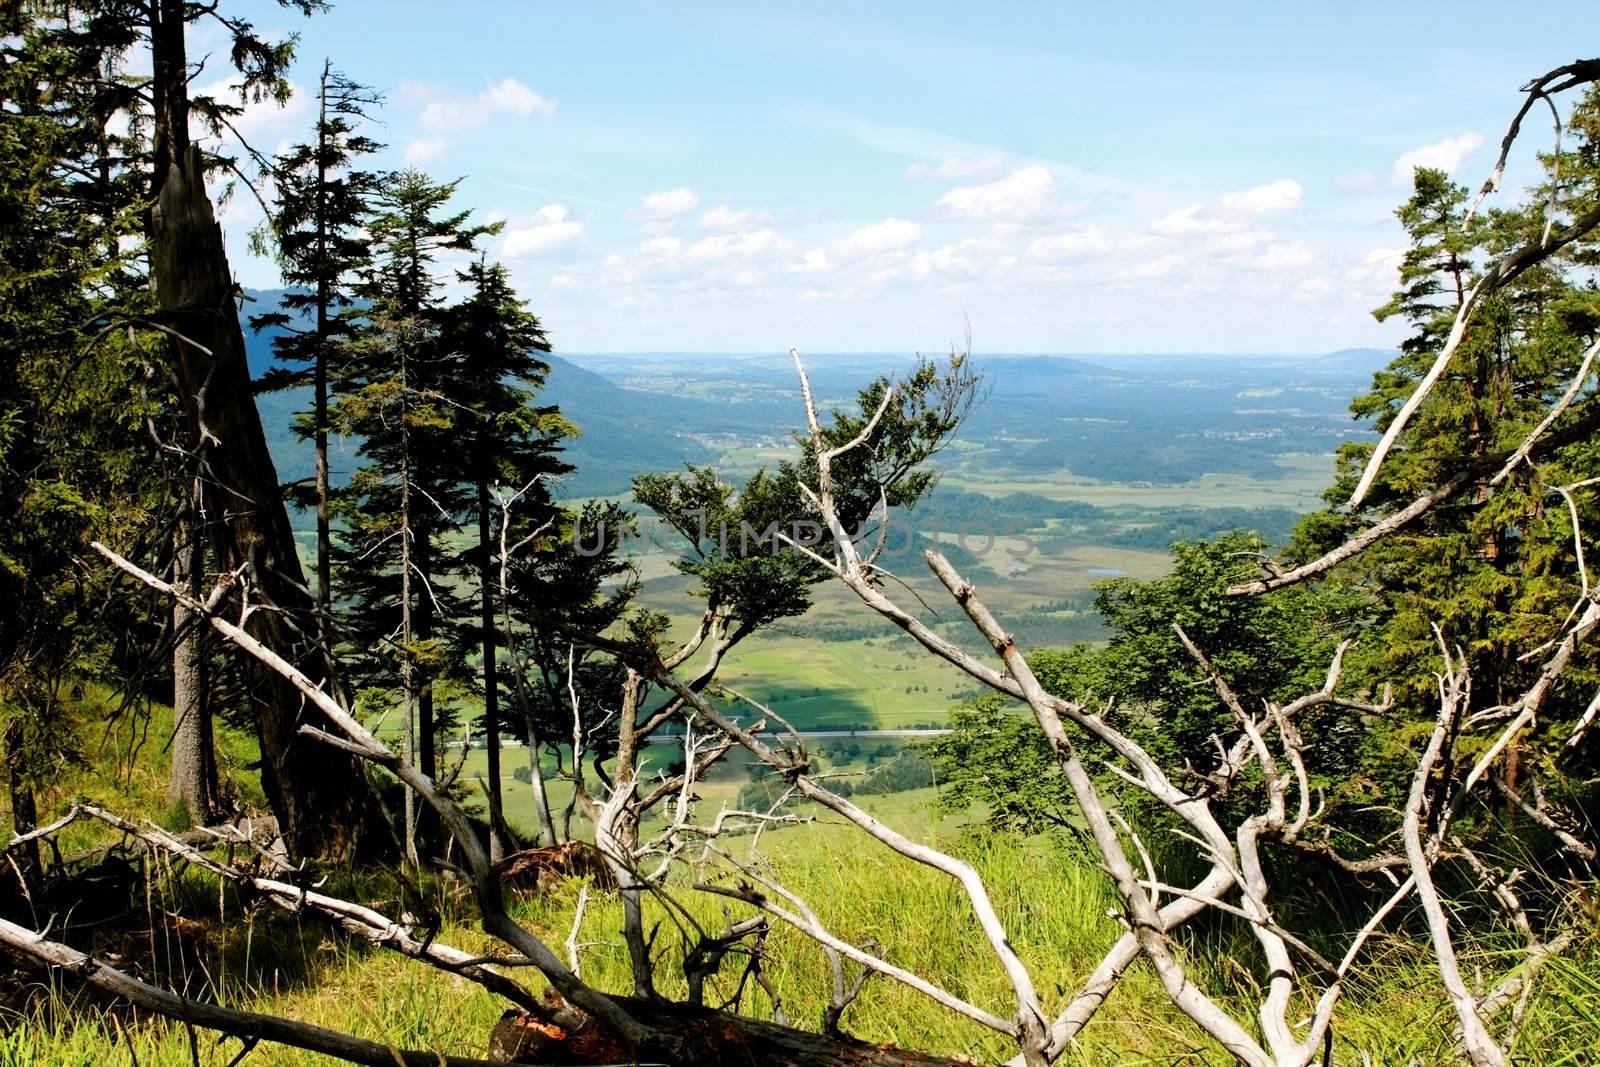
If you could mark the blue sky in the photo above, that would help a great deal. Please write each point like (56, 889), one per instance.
(745, 176)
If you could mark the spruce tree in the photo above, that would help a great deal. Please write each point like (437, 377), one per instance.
(1494, 569)
(398, 397)
(511, 445)
(73, 451)
(321, 205)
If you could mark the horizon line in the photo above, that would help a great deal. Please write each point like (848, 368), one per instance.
(1259, 354)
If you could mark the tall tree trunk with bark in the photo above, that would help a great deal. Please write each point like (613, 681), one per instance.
(319, 383)
(319, 794)
(491, 674)
(193, 778)
(427, 733)
(24, 811)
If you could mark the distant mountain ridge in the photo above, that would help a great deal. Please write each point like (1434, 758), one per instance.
(1160, 419)
(624, 431)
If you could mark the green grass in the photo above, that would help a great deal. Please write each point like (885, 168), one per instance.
(1301, 487)
(1052, 902)
(121, 762)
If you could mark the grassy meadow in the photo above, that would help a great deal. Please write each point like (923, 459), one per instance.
(1056, 905)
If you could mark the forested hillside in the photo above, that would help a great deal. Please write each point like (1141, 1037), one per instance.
(379, 685)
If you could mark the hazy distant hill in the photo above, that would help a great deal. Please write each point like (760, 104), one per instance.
(1366, 361)
(1156, 419)
(625, 431)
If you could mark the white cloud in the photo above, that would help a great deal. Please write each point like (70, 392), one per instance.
(951, 260)
(887, 236)
(958, 169)
(549, 231)
(738, 246)
(1270, 199)
(425, 150)
(1236, 241)
(1186, 222)
(1072, 244)
(670, 204)
(446, 115)
(445, 112)
(1230, 213)
(261, 120)
(1378, 272)
(1282, 256)
(1312, 288)
(661, 246)
(1445, 155)
(1018, 195)
(1155, 267)
(562, 281)
(814, 261)
(511, 96)
(723, 217)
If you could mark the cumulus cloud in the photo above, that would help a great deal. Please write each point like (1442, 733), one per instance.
(1282, 256)
(511, 96)
(445, 112)
(815, 260)
(1154, 267)
(1445, 155)
(670, 204)
(1071, 244)
(723, 246)
(723, 217)
(887, 236)
(1231, 213)
(1270, 199)
(1312, 288)
(661, 246)
(1379, 270)
(260, 120)
(548, 232)
(1018, 195)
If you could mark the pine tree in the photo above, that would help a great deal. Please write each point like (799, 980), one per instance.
(72, 447)
(397, 399)
(492, 341)
(1494, 569)
(322, 202)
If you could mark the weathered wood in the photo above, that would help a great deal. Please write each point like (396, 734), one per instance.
(698, 1036)
(541, 868)
(193, 779)
(249, 1026)
(320, 795)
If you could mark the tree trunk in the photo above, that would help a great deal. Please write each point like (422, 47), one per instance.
(427, 757)
(408, 664)
(627, 832)
(193, 779)
(319, 380)
(491, 669)
(541, 797)
(24, 811)
(691, 1036)
(319, 794)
